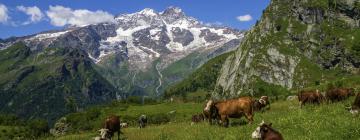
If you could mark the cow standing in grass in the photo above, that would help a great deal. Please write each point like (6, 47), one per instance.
(233, 108)
(338, 94)
(111, 125)
(310, 97)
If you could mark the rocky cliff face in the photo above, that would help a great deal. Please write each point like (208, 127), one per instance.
(295, 43)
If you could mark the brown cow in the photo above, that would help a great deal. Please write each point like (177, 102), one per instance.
(233, 108)
(310, 97)
(112, 124)
(261, 103)
(266, 132)
(338, 94)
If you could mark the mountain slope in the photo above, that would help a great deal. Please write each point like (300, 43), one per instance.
(295, 44)
(131, 47)
(49, 84)
(204, 78)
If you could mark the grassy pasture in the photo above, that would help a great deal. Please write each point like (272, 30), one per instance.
(312, 122)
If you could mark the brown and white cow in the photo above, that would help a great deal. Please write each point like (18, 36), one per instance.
(233, 108)
(261, 103)
(112, 125)
(266, 132)
(338, 94)
(313, 96)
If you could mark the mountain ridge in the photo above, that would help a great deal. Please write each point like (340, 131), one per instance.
(314, 42)
(139, 55)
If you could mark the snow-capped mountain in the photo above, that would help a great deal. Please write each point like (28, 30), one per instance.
(140, 39)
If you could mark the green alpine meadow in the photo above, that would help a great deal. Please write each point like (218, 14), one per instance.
(180, 70)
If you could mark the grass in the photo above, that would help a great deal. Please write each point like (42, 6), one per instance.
(11, 132)
(327, 121)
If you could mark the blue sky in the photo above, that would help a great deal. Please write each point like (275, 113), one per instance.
(24, 17)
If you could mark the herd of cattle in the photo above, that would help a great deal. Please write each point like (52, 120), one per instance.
(220, 111)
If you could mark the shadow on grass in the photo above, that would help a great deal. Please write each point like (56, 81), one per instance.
(237, 122)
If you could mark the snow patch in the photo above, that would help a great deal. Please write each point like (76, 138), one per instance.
(48, 35)
(148, 12)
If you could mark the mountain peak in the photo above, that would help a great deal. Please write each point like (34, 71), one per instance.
(148, 11)
(174, 11)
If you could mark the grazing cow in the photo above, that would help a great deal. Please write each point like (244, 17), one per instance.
(142, 121)
(197, 118)
(233, 108)
(261, 103)
(266, 132)
(310, 97)
(112, 124)
(338, 94)
(124, 125)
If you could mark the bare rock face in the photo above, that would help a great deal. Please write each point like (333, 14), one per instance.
(183, 36)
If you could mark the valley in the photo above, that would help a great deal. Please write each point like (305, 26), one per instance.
(64, 83)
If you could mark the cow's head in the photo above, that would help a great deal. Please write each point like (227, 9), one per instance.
(257, 134)
(104, 133)
(261, 130)
(208, 105)
(353, 110)
(264, 100)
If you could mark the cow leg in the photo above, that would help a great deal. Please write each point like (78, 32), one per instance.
(223, 120)
(249, 117)
(226, 123)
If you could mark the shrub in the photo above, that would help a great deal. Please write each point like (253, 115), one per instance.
(9, 119)
(38, 127)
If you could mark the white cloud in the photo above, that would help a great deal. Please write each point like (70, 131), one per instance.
(4, 17)
(61, 16)
(244, 18)
(34, 12)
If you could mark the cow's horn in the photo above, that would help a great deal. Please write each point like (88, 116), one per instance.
(262, 122)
